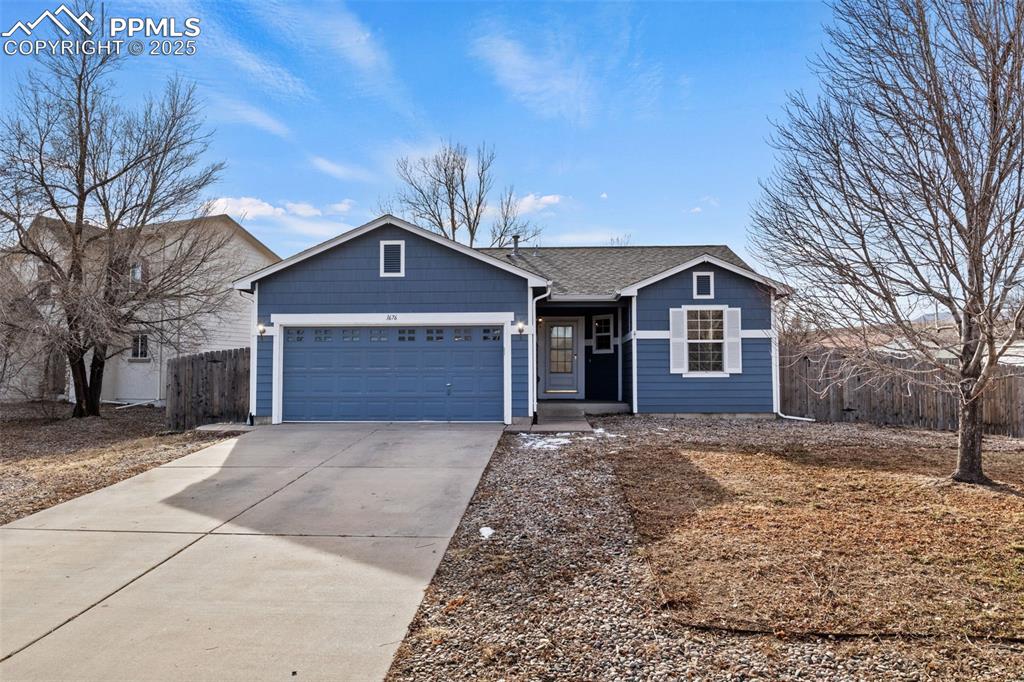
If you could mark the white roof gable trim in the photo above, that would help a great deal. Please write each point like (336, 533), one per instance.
(632, 289)
(245, 283)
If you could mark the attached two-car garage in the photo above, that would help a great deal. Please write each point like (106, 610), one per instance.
(393, 373)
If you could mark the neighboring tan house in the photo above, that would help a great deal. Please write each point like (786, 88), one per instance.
(391, 322)
(138, 374)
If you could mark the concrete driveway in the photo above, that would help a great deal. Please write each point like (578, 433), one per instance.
(290, 552)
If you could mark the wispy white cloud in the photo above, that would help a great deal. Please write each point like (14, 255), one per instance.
(696, 209)
(535, 203)
(343, 206)
(261, 71)
(242, 208)
(289, 217)
(341, 171)
(603, 195)
(551, 82)
(302, 209)
(334, 33)
(709, 200)
(242, 112)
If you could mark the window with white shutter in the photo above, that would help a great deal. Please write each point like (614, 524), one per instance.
(392, 258)
(705, 341)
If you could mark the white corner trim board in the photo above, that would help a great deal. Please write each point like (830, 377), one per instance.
(284, 320)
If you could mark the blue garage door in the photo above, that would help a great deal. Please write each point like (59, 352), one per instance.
(393, 374)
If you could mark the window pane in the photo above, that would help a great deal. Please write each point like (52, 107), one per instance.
(603, 342)
(705, 357)
(560, 349)
(705, 325)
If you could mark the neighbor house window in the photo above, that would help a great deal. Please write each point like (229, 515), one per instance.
(435, 334)
(462, 334)
(378, 335)
(140, 347)
(703, 285)
(603, 334)
(137, 273)
(349, 335)
(406, 334)
(491, 334)
(705, 340)
(392, 259)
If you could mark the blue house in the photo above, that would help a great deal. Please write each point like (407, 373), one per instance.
(391, 322)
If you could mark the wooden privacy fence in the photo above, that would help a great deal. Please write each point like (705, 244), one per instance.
(894, 401)
(208, 387)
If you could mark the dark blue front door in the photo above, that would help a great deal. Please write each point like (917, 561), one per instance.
(393, 374)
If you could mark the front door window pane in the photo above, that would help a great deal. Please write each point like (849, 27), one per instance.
(560, 350)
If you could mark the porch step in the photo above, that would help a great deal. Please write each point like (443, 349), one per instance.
(560, 410)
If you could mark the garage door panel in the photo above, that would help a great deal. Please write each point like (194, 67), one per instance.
(393, 374)
(378, 359)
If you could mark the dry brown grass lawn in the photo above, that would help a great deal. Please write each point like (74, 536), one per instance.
(46, 458)
(797, 528)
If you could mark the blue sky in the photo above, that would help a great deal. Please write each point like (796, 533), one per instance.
(609, 119)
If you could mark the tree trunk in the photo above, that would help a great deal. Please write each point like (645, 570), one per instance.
(79, 381)
(968, 462)
(96, 367)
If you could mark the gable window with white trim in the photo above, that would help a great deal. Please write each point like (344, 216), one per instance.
(703, 285)
(705, 341)
(603, 334)
(392, 258)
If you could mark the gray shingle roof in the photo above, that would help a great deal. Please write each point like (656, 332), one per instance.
(602, 270)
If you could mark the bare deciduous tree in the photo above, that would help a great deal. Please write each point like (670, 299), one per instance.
(448, 193)
(899, 191)
(509, 222)
(86, 190)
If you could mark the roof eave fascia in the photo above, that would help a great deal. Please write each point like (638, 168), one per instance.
(583, 298)
(245, 283)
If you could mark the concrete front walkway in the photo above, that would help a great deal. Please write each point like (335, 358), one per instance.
(297, 552)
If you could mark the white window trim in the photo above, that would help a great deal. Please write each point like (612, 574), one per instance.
(686, 373)
(505, 320)
(697, 274)
(392, 242)
(132, 357)
(610, 334)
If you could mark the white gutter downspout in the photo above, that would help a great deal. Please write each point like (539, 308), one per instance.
(532, 350)
(776, 386)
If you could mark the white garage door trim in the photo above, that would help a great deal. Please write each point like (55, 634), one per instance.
(284, 320)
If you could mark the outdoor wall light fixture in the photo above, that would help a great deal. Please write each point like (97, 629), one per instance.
(521, 326)
(261, 328)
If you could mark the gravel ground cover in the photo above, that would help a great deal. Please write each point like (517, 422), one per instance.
(47, 458)
(563, 589)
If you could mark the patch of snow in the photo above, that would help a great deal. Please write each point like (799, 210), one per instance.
(486, 532)
(534, 442)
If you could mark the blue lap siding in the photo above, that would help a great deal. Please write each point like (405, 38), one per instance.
(346, 279)
(660, 391)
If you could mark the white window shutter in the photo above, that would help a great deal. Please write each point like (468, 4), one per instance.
(733, 342)
(677, 340)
